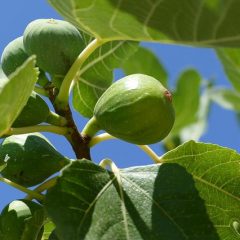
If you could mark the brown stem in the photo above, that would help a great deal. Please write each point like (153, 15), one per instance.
(78, 141)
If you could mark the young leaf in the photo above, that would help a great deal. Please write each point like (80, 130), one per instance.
(15, 91)
(96, 74)
(193, 195)
(146, 62)
(230, 59)
(186, 100)
(195, 130)
(226, 98)
(208, 23)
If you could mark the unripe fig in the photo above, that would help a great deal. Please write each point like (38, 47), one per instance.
(14, 55)
(22, 219)
(35, 111)
(29, 159)
(137, 109)
(56, 43)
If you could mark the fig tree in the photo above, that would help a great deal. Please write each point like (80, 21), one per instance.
(22, 219)
(56, 43)
(137, 109)
(35, 111)
(29, 159)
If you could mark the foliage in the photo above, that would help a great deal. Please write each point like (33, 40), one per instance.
(191, 192)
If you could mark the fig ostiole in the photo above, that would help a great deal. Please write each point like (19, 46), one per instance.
(56, 43)
(22, 219)
(137, 109)
(34, 112)
(29, 159)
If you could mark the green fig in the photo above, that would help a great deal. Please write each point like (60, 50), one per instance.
(14, 55)
(35, 111)
(29, 159)
(22, 219)
(137, 109)
(56, 43)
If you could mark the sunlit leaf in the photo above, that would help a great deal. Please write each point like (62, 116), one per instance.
(193, 195)
(194, 22)
(15, 91)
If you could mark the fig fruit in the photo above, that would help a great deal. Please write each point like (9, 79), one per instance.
(29, 159)
(137, 109)
(35, 111)
(14, 55)
(56, 44)
(22, 219)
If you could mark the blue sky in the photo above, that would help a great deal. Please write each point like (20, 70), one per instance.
(15, 15)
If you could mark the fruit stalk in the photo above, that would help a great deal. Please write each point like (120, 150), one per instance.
(31, 193)
(63, 96)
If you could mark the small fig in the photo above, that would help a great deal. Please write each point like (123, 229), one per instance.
(35, 111)
(22, 219)
(56, 43)
(137, 109)
(29, 159)
(14, 55)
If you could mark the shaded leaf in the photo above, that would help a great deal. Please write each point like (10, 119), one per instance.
(15, 91)
(230, 59)
(146, 62)
(193, 195)
(96, 74)
(195, 22)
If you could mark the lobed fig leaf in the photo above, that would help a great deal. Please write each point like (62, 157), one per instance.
(35, 111)
(22, 219)
(56, 43)
(137, 109)
(29, 159)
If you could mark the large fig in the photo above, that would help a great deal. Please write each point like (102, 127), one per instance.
(29, 159)
(56, 43)
(22, 219)
(35, 111)
(137, 109)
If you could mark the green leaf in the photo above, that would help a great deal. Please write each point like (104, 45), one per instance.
(230, 59)
(193, 195)
(195, 130)
(186, 100)
(226, 98)
(146, 62)
(96, 74)
(15, 91)
(195, 22)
